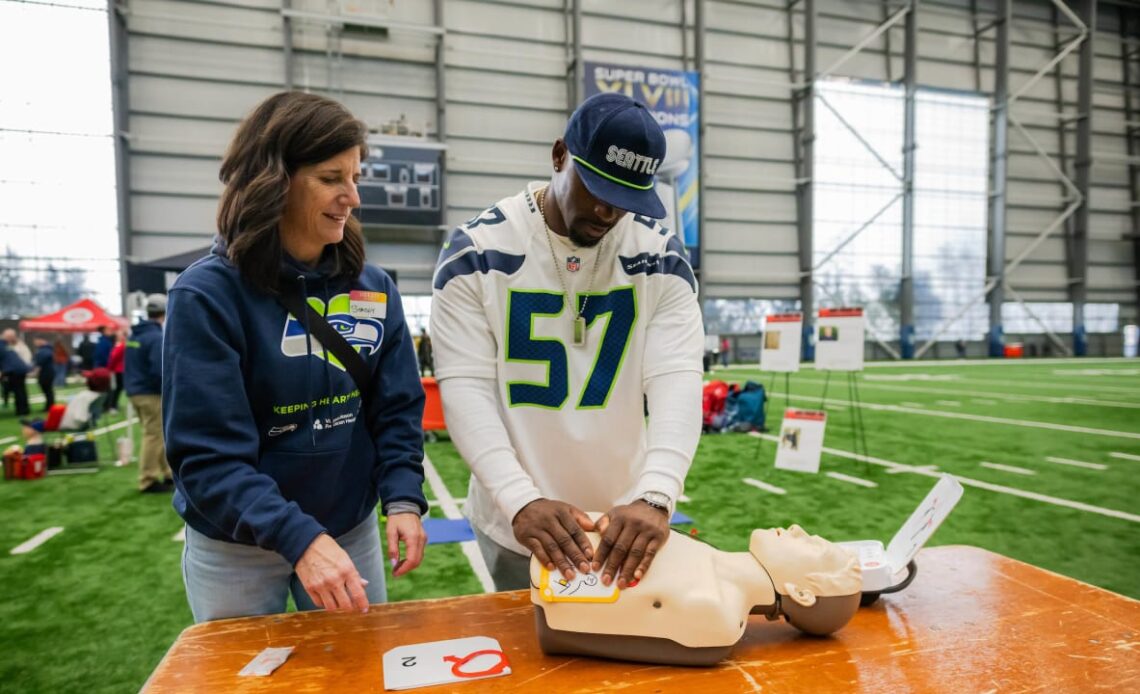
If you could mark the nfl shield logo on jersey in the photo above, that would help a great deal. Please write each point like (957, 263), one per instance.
(573, 263)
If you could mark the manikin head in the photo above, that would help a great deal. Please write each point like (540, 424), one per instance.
(819, 583)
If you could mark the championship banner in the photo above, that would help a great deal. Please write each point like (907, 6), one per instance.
(839, 339)
(780, 346)
(801, 440)
(672, 97)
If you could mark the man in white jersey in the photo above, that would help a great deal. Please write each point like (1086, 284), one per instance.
(545, 397)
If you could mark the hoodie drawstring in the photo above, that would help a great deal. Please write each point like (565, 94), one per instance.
(328, 371)
(308, 370)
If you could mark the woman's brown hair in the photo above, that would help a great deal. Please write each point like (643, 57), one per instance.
(286, 131)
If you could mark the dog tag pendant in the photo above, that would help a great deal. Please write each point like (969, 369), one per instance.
(579, 331)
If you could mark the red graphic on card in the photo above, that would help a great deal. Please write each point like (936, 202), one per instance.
(496, 669)
(805, 414)
(840, 312)
(784, 317)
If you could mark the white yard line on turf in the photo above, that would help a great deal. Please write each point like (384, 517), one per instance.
(459, 501)
(1125, 456)
(40, 538)
(970, 482)
(180, 536)
(1124, 361)
(927, 468)
(1076, 463)
(910, 404)
(1008, 468)
(764, 485)
(961, 392)
(980, 401)
(971, 417)
(853, 480)
(451, 510)
(114, 427)
(7, 440)
(1067, 386)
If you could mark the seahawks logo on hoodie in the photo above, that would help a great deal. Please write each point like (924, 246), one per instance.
(363, 334)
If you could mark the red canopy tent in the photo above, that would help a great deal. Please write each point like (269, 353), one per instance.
(83, 316)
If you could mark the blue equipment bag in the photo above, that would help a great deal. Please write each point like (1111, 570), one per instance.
(744, 410)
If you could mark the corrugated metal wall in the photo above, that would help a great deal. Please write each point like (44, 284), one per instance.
(197, 67)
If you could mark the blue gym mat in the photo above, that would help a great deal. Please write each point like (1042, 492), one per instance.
(441, 530)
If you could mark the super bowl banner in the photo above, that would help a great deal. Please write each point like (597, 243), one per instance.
(672, 97)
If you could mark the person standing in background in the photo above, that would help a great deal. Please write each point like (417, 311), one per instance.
(86, 352)
(102, 352)
(115, 364)
(423, 354)
(44, 361)
(62, 359)
(143, 379)
(14, 372)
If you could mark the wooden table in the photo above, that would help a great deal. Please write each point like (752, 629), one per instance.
(972, 621)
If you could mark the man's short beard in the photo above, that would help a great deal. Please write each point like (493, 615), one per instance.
(582, 241)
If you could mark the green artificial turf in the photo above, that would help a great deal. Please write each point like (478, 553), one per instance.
(95, 608)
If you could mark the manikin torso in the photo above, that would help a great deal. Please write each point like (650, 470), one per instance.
(693, 604)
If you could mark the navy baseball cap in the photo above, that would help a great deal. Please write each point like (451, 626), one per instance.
(617, 146)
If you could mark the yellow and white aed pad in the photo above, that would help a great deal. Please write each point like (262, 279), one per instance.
(582, 588)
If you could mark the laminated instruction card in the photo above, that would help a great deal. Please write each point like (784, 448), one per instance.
(780, 347)
(444, 662)
(839, 339)
(801, 440)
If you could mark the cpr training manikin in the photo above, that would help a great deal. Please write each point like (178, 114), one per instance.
(693, 604)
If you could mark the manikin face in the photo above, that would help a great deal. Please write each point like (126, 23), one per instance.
(320, 198)
(806, 562)
(587, 219)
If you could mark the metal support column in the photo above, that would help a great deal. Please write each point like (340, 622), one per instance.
(1063, 124)
(906, 286)
(579, 72)
(1127, 56)
(886, 12)
(805, 184)
(699, 56)
(120, 132)
(998, 164)
(287, 42)
(1079, 256)
(441, 102)
(977, 46)
(685, 62)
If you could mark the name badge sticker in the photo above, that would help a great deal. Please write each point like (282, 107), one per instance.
(362, 304)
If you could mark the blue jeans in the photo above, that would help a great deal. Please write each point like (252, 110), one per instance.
(227, 579)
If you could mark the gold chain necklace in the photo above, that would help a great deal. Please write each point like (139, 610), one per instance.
(579, 320)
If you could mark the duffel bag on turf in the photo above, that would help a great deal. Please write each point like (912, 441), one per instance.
(54, 455)
(81, 451)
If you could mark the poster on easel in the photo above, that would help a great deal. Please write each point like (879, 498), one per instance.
(780, 346)
(839, 335)
(800, 443)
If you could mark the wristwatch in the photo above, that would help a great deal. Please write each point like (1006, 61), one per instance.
(657, 500)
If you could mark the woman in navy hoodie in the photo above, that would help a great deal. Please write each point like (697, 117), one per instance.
(278, 460)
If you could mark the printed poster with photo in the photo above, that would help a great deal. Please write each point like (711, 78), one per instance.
(800, 444)
(780, 345)
(839, 335)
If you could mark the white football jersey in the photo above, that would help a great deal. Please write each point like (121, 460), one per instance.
(574, 412)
